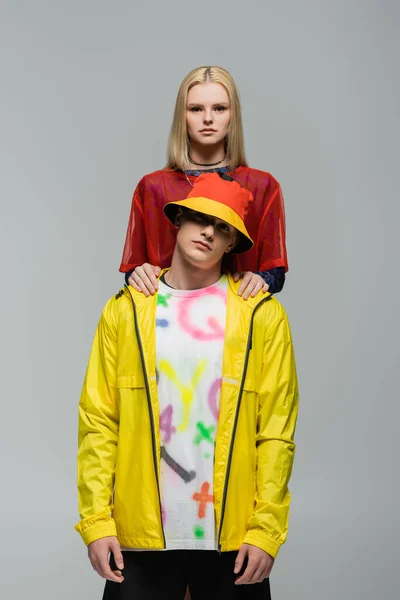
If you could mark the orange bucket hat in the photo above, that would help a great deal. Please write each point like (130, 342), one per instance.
(218, 197)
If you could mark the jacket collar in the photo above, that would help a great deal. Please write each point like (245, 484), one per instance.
(251, 303)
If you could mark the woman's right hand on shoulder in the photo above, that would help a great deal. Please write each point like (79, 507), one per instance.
(144, 279)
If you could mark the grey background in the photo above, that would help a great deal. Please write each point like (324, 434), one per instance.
(87, 94)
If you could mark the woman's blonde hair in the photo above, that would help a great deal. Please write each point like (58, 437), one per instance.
(178, 142)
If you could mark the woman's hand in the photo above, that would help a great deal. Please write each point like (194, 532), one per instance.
(144, 279)
(251, 284)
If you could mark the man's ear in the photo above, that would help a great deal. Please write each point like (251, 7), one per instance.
(178, 218)
(232, 244)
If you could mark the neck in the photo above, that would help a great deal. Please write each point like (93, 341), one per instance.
(207, 155)
(183, 275)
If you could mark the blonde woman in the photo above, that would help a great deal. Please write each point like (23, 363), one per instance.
(206, 136)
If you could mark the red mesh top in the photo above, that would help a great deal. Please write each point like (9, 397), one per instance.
(151, 237)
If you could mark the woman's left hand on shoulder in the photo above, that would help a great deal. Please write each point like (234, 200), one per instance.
(252, 283)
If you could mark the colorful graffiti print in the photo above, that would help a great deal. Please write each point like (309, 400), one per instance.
(187, 476)
(187, 305)
(166, 425)
(203, 498)
(187, 391)
(203, 433)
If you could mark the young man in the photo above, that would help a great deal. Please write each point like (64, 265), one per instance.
(187, 419)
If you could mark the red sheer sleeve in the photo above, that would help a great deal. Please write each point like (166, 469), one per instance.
(272, 233)
(265, 223)
(135, 248)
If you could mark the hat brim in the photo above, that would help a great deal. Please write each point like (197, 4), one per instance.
(213, 209)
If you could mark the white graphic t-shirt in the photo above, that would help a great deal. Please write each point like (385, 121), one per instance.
(190, 340)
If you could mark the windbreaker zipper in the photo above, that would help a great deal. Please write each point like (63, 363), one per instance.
(146, 383)
(228, 468)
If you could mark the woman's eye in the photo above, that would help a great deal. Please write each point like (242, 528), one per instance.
(220, 108)
(195, 109)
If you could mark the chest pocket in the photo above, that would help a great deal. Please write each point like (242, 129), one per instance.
(251, 385)
(136, 382)
(252, 382)
(130, 381)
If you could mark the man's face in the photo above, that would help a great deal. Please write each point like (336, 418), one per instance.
(203, 240)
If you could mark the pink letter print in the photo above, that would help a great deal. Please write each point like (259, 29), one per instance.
(213, 395)
(216, 332)
(166, 423)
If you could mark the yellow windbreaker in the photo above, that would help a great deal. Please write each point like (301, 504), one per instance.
(119, 426)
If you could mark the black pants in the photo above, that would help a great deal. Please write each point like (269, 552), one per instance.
(164, 575)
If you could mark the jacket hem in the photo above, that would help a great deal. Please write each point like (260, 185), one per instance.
(140, 543)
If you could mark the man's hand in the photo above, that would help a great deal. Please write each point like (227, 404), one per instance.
(144, 279)
(98, 554)
(251, 284)
(259, 564)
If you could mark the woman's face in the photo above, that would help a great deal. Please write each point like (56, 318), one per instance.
(208, 113)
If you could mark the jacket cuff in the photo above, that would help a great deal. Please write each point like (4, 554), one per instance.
(94, 529)
(262, 540)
